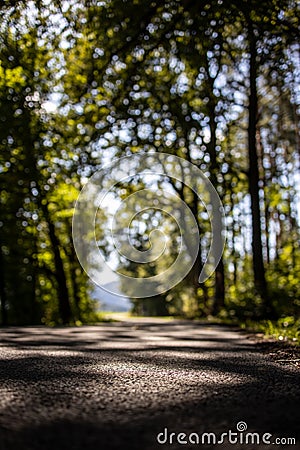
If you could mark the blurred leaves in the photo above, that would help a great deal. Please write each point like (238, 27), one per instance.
(83, 82)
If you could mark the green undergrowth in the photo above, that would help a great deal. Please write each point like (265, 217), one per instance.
(286, 329)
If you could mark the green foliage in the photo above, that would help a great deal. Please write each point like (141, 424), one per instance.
(84, 82)
(284, 329)
(41, 280)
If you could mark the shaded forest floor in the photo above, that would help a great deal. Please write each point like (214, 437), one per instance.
(118, 385)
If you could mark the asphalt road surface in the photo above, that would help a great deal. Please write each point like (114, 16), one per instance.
(129, 385)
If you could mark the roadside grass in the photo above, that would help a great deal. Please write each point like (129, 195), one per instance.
(286, 329)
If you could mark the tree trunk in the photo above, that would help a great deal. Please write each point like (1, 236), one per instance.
(63, 294)
(219, 288)
(257, 249)
(219, 294)
(2, 291)
(73, 276)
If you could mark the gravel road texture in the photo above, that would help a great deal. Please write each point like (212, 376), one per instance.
(119, 385)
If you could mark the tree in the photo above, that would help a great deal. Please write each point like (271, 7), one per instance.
(36, 284)
(167, 77)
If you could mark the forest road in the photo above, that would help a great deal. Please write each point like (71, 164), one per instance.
(129, 385)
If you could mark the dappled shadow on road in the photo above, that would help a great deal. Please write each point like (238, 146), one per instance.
(223, 360)
(117, 386)
(115, 335)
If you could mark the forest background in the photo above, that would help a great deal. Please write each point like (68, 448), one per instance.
(213, 82)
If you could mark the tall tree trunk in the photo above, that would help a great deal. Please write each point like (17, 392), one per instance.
(62, 288)
(2, 291)
(263, 178)
(219, 295)
(234, 254)
(34, 315)
(257, 249)
(219, 288)
(73, 263)
(267, 231)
